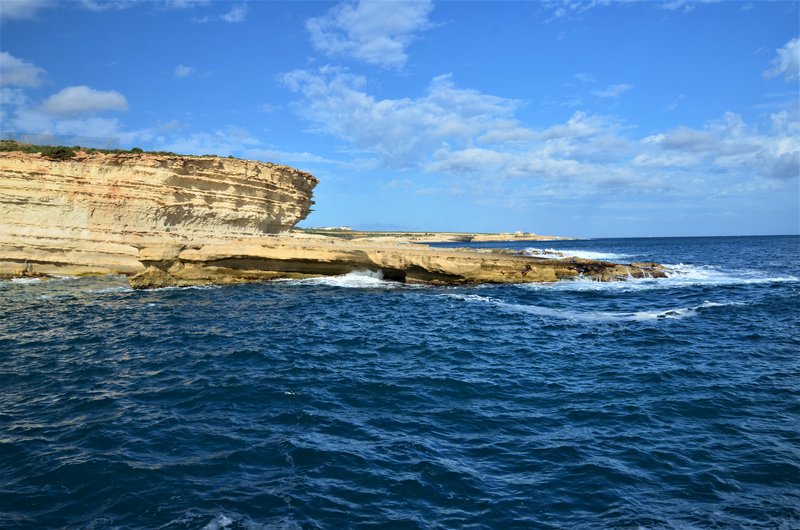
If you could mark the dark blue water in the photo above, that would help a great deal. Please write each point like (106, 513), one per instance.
(356, 403)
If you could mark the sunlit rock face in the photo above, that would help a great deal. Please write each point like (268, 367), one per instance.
(177, 220)
(93, 213)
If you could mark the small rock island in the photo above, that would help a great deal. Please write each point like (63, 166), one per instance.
(171, 220)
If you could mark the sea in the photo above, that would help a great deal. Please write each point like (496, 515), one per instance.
(354, 402)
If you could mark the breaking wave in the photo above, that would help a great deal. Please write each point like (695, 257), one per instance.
(354, 280)
(551, 253)
(678, 276)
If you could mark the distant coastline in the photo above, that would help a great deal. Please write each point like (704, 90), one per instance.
(401, 236)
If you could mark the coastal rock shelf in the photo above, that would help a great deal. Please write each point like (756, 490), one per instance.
(286, 257)
(169, 220)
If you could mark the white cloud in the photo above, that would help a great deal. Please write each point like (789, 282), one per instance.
(20, 9)
(184, 71)
(76, 100)
(563, 9)
(786, 62)
(396, 129)
(377, 33)
(476, 140)
(184, 4)
(109, 5)
(238, 13)
(13, 97)
(16, 72)
(613, 91)
(730, 146)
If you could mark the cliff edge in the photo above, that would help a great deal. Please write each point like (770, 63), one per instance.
(91, 213)
(168, 220)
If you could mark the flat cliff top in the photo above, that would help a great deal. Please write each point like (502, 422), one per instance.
(422, 237)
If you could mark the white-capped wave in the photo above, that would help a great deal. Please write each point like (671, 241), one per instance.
(355, 280)
(710, 275)
(678, 276)
(592, 316)
(551, 253)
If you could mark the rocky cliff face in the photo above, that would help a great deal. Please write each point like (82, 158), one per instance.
(172, 220)
(92, 213)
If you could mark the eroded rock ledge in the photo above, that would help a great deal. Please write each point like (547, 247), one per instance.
(286, 257)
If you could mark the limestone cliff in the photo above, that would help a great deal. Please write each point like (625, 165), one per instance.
(174, 220)
(92, 213)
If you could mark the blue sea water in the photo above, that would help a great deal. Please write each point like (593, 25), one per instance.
(352, 402)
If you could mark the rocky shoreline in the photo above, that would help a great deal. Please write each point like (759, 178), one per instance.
(169, 220)
(289, 257)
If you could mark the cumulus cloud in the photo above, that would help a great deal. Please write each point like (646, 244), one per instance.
(613, 91)
(76, 100)
(16, 72)
(377, 33)
(729, 145)
(451, 131)
(786, 62)
(337, 103)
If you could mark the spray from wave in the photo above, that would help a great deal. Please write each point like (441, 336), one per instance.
(354, 280)
(551, 253)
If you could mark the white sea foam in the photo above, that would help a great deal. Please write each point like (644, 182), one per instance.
(552, 253)
(25, 280)
(354, 280)
(592, 316)
(678, 276)
(710, 275)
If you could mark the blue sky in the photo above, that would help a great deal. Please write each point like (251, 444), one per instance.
(591, 119)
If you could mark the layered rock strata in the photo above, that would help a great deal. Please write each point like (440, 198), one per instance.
(173, 221)
(92, 213)
(286, 257)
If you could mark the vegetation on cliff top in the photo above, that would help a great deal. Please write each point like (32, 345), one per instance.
(61, 152)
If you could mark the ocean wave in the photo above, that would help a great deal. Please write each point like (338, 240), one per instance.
(354, 280)
(551, 253)
(678, 276)
(710, 275)
(593, 316)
